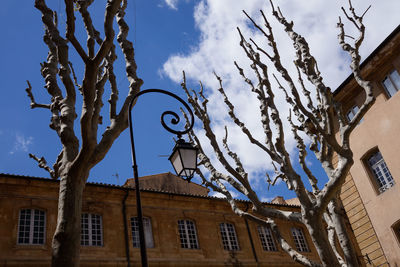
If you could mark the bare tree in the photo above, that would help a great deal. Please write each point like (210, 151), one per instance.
(81, 151)
(315, 117)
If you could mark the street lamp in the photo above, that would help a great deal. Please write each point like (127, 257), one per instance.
(183, 158)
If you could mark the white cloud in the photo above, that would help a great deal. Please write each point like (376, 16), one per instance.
(22, 143)
(218, 47)
(220, 195)
(267, 199)
(217, 194)
(172, 4)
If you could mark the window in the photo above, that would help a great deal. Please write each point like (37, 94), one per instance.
(148, 233)
(396, 229)
(228, 234)
(31, 227)
(299, 240)
(352, 112)
(187, 234)
(91, 230)
(380, 171)
(392, 83)
(266, 238)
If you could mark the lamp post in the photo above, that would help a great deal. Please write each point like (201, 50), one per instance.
(183, 158)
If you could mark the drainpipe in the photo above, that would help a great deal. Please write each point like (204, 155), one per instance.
(250, 237)
(126, 227)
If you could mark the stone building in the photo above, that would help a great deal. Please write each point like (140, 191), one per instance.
(183, 226)
(371, 194)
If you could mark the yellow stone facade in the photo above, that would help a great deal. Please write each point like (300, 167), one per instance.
(164, 210)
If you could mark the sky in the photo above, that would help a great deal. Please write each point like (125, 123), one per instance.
(198, 36)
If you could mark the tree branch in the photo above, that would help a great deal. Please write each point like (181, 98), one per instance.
(33, 102)
(42, 163)
(113, 84)
(119, 122)
(74, 77)
(355, 67)
(87, 20)
(345, 156)
(111, 10)
(63, 123)
(307, 64)
(269, 110)
(70, 34)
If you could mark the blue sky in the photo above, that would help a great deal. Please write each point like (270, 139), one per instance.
(169, 36)
(26, 131)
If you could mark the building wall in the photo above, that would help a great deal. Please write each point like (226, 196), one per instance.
(163, 209)
(361, 225)
(380, 129)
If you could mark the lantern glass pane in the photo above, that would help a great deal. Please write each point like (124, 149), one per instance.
(188, 172)
(188, 158)
(176, 162)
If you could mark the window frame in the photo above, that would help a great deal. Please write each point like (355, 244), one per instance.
(396, 230)
(32, 228)
(228, 243)
(389, 77)
(265, 233)
(91, 240)
(299, 239)
(376, 181)
(353, 111)
(187, 239)
(149, 228)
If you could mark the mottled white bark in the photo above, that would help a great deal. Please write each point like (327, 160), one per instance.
(79, 155)
(314, 117)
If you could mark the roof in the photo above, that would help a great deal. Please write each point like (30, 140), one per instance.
(168, 182)
(291, 202)
(369, 58)
(124, 188)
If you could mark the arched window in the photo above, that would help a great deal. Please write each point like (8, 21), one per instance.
(267, 241)
(91, 230)
(379, 171)
(188, 234)
(31, 227)
(299, 240)
(229, 238)
(148, 233)
(396, 230)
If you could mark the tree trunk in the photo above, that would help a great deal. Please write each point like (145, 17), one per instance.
(320, 240)
(349, 251)
(66, 239)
